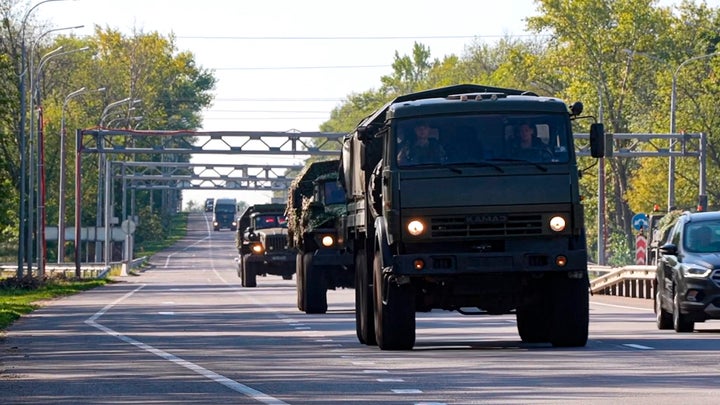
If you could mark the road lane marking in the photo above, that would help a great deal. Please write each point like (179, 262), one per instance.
(622, 306)
(641, 347)
(227, 382)
(390, 380)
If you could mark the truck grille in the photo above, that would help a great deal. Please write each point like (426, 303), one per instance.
(276, 243)
(497, 225)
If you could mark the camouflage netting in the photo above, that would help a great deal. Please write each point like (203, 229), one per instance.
(300, 197)
(668, 221)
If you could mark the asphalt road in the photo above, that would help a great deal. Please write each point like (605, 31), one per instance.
(184, 331)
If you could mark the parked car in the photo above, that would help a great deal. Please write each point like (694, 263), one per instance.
(688, 273)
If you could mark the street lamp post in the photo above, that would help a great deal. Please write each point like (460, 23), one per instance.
(41, 217)
(23, 216)
(673, 107)
(63, 175)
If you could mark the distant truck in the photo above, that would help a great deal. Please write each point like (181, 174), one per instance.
(316, 201)
(262, 243)
(479, 225)
(225, 214)
(209, 204)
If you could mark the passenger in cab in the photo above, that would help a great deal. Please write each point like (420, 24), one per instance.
(420, 148)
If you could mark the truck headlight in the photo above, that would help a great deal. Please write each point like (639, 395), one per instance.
(696, 272)
(416, 227)
(557, 223)
(328, 240)
(257, 248)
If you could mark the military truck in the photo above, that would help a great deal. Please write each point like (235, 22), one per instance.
(315, 203)
(484, 229)
(224, 214)
(262, 243)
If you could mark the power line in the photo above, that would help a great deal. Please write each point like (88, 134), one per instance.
(301, 67)
(349, 38)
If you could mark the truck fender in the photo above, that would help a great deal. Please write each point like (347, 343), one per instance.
(381, 242)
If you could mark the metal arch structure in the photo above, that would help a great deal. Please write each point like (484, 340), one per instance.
(656, 145)
(188, 176)
(109, 141)
(104, 141)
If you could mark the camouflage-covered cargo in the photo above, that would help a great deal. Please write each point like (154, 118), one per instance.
(263, 245)
(315, 204)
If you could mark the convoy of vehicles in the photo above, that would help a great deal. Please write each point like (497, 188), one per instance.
(688, 272)
(225, 214)
(262, 243)
(485, 229)
(316, 201)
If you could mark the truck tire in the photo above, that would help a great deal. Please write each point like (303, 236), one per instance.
(315, 287)
(394, 311)
(532, 322)
(299, 282)
(680, 321)
(570, 311)
(248, 274)
(364, 313)
(663, 318)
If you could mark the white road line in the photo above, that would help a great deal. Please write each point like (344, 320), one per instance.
(232, 384)
(390, 380)
(641, 347)
(621, 306)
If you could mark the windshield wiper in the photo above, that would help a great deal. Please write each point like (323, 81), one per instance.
(538, 165)
(453, 166)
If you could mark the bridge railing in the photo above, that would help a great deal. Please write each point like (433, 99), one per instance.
(635, 281)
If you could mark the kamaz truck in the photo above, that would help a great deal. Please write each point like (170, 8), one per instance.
(262, 243)
(487, 223)
(224, 214)
(316, 201)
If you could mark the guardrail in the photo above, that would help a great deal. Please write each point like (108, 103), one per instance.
(87, 270)
(630, 281)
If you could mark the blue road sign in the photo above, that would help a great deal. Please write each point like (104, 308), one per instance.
(640, 221)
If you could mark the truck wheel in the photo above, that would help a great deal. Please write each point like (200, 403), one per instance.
(680, 321)
(394, 311)
(532, 322)
(364, 314)
(248, 275)
(570, 312)
(299, 282)
(663, 318)
(315, 287)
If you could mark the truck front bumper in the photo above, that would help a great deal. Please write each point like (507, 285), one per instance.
(450, 264)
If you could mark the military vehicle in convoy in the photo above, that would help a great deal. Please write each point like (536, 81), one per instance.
(450, 207)
(225, 214)
(315, 203)
(262, 243)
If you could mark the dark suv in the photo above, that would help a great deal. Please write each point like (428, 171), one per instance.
(688, 273)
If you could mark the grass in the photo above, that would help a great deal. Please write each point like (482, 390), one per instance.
(22, 296)
(177, 231)
(18, 297)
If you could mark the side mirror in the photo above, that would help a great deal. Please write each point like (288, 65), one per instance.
(668, 249)
(597, 140)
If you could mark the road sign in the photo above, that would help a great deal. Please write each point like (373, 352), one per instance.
(640, 249)
(640, 221)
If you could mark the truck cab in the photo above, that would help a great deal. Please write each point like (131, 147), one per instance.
(262, 242)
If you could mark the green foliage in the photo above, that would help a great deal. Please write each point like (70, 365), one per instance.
(619, 250)
(22, 296)
(151, 236)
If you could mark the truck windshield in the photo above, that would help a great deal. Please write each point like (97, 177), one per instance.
(270, 221)
(505, 138)
(225, 209)
(334, 193)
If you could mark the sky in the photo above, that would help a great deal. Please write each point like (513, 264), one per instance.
(314, 52)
